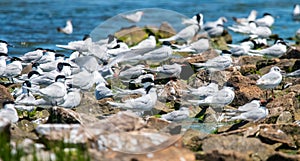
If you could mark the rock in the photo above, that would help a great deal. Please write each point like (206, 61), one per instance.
(286, 102)
(266, 63)
(273, 134)
(120, 122)
(243, 146)
(68, 133)
(133, 141)
(173, 151)
(228, 155)
(248, 69)
(166, 30)
(220, 42)
(249, 60)
(209, 54)
(131, 35)
(292, 53)
(5, 95)
(156, 123)
(245, 89)
(192, 139)
(26, 125)
(63, 115)
(284, 117)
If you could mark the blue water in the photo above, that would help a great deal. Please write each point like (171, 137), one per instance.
(28, 24)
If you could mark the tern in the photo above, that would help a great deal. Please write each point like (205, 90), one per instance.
(68, 29)
(3, 47)
(276, 50)
(55, 92)
(217, 63)
(8, 112)
(150, 42)
(188, 33)
(140, 104)
(178, 115)
(267, 20)
(270, 80)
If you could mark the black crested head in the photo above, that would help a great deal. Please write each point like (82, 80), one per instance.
(8, 102)
(38, 49)
(267, 14)
(86, 36)
(35, 64)
(59, 55)
(31, 73)
(15, 59)
(148, 79)
(60, 77)
(198, 17)
(148, 88)
(27, 83)
(166, 43)
(116, 47)
(50, 50)
(2, 41)
(118, 40)
(3, 54)
(226, 52)
(151, 34)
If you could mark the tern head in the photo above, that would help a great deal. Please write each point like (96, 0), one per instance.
(166, 43)
(267, 14)
(60, 78)
(32, 73)
(15, 59)
(3, 55)
(199, 18)
(275, 69)
(8, 104)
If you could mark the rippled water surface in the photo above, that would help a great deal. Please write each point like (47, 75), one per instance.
(29, 24)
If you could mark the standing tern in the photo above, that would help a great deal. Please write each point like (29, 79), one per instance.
(101, 91)
(150, 42)
(276, 50)
(8, 112)
(14, 68)
(140, 104)
(72, 99)
(178, 115)
(267, 20)
(198, 46)
(188, 33)
(252, 111)
(3, 47)
(218, 100)
(168, 71)
(55, 92)
(271, 79)
(68, 29)
(217, 63)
